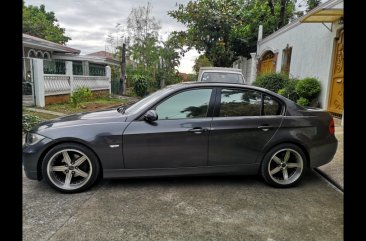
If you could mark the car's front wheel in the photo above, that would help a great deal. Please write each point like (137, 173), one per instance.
(283, 165)
(70, 168)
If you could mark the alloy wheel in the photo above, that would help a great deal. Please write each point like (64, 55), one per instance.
(69, 169)
(285, 166)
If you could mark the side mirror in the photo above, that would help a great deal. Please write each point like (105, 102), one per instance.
(151, 116)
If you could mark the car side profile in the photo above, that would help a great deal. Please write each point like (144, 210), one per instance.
(184, 129)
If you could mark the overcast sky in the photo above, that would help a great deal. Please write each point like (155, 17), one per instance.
(88, 22)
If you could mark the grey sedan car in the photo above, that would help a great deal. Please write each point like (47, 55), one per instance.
(184, 129)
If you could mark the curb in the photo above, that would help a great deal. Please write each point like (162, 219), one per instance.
(329, 179)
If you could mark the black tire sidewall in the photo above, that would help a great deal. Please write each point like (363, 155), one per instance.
(267, 158)
(92, 157)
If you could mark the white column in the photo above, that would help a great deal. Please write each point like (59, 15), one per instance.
(70, 74)
(260, 33)
(85, 68)
(253, 68)
(342, 118)
(38, 82)
(108, 73)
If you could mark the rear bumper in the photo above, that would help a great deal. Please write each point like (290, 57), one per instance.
(323, 154)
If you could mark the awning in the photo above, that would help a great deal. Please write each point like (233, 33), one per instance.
(323, 16)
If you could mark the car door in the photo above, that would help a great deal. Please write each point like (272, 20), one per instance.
(243, 122)
(179, 138)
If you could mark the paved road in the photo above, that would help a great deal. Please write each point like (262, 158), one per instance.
(189, 208)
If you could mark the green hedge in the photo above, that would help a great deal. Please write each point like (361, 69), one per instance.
(308, 88)
(272, 81)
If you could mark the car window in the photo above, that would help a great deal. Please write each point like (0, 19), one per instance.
(222, 77)
(187, 104)
(236, 102)
(271, 106)
(146, 101)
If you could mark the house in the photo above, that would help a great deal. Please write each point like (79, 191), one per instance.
(184, 76)
(52, 71)
(311, 46)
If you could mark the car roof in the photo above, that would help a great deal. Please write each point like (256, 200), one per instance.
(216, 84)
(189, 84)
(220, 69)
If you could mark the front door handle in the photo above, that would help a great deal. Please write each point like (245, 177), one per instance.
(198, 130)
(265, 127)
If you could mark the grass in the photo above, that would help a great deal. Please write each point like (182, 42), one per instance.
(43, 116)
(95, 104)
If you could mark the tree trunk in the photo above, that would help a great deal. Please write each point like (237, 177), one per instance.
(281, 23)
(123, 69)
(271, 7)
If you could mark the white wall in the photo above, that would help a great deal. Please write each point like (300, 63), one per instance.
(312, 52)
(245, 65)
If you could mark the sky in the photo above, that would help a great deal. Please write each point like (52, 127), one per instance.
(88, 22)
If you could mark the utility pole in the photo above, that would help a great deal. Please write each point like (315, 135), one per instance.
(123, 70)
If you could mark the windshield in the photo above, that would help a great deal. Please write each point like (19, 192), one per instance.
(222, 77)
(145, 101)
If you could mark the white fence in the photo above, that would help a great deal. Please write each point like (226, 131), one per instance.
(92, 82)
(57, 84)
(63, 84)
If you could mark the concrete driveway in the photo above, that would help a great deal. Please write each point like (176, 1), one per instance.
(189, 208)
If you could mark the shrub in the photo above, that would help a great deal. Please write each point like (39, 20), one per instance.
(140, 84)
(303, 101)
(28, 121)
(79, 95)
(308, 88)
(289, 91)
(272, 81)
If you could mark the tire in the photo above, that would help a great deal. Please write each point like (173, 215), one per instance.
(70, 168)
(283, 166)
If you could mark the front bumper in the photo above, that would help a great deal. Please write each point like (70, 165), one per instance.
(31, 158)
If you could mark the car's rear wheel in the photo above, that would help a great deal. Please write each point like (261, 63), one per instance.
(283, 165)
(70, 168)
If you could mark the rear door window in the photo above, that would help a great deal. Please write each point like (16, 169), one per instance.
(240, 102)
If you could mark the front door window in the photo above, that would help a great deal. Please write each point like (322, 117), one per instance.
(187, 104)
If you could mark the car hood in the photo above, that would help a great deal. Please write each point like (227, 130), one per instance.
(87, 118)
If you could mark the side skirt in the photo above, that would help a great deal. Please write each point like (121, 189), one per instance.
(248, 169)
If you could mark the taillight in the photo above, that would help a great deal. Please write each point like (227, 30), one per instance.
(331, 127)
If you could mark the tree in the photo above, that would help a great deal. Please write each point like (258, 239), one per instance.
(154, 59)
(201, 61)
(37, 22)
(169, 59)
(312, 4)
(141, 25)
(226, 29)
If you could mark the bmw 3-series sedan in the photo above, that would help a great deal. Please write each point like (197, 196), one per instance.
(183, 129)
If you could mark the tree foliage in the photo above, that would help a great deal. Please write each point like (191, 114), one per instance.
(201, 61)
(226, 29)
(312, 4)
(37, 22)
(152, 58)
(141, 25)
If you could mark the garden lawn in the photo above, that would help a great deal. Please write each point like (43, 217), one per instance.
(43, 116)
(95, 104)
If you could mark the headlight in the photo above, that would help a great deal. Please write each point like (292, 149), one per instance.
(33, 138)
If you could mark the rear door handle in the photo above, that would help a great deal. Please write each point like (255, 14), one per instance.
(265, 127)
(198, 130)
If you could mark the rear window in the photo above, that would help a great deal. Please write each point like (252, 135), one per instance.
(222, 77)
(271, 106)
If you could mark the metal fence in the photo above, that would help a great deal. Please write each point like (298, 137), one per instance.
(27, 83)
(116, 86)
(55, 66)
